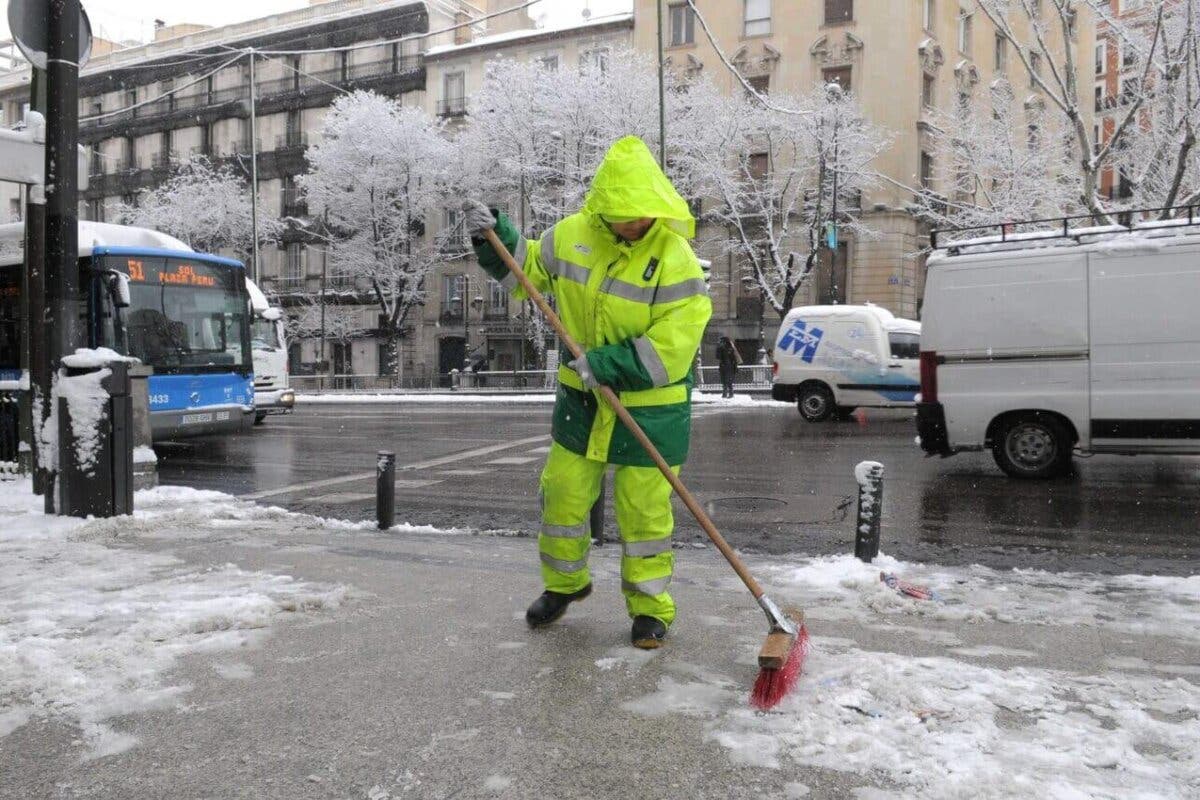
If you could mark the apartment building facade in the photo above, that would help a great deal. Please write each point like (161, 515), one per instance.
(902, 60)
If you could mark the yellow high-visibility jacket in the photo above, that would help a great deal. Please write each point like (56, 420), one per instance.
(639, 309)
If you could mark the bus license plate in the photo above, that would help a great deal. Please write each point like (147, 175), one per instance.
(195, 419)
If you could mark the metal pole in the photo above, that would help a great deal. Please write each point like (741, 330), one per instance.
(253, 169)
(323, 271)
(833, 216)
(33, 296)
(385, 490)
(466, 287)
(62, 214)
(662, 93)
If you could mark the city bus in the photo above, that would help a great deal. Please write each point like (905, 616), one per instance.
(148, 295)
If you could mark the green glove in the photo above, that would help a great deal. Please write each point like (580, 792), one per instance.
(489, 259)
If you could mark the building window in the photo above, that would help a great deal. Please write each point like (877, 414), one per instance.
(1099, 97)
(454, 94)
(1129, 89)
(1035, 68)
(926, 170)
(548, 63)
(838, 75)
(838, 11)
(756, 18)
(759, 166)
(1129, 56)
(1001, 61)
(497, 298)
(928, 91)
(14, 210)
(292, 278)
(683, 25)
(965, 25)
(453, 295)
(594, 59)
(927, 14)
(1101, 57)
(1096, 143)
(761, 84)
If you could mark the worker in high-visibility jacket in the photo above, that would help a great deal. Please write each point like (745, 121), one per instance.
(630, 290)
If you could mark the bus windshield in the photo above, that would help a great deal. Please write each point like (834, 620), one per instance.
(185, 315)
(264, 335)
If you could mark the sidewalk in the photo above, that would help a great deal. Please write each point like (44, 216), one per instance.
(210, 647)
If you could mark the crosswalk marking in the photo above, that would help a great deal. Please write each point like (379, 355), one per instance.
(514, 460)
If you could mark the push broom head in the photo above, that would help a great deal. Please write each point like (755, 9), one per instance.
(781, 660)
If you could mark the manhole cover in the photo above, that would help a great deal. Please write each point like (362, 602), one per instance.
(747, 505)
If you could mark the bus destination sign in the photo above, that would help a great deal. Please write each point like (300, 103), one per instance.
(173, 273)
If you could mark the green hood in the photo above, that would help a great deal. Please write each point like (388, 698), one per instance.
(629, 183)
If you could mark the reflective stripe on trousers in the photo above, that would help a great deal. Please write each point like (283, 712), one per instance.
(570, 485)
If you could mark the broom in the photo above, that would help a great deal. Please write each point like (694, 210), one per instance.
(782, 654)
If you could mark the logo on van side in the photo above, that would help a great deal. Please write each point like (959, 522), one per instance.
(800, 340)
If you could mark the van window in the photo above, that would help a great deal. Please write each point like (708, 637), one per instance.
(905, 345)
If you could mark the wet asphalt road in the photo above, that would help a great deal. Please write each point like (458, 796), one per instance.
(772, 482)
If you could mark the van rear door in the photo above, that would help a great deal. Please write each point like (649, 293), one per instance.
(1145, 353)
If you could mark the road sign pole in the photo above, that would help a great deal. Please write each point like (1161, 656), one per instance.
(62, 214)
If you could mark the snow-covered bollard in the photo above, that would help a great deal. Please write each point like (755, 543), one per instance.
(385, 489)
(869, 475)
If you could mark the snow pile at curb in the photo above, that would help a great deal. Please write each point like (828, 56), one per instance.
(989, 721)
(1142, 605)
(89, 627)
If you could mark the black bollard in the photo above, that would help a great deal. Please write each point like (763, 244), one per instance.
(385, 489)
(870, 510)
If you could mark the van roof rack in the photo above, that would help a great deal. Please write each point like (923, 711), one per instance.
(1025, 232)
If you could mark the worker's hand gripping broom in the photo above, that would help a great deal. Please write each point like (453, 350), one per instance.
(783, 652)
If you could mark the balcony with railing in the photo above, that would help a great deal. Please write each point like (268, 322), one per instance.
(452, 107)
(290, 284)
(291, 139)
(295, 204)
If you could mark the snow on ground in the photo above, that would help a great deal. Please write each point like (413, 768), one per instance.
(952, 727)
(89, 627)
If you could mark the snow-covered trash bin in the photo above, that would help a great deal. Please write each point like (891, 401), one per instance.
(869, 475)
(95, 430)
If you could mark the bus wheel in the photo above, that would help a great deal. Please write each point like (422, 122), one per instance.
(1033, 445)
(815, 402)
(259, 417)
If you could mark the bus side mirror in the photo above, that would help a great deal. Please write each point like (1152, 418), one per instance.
(117, 284)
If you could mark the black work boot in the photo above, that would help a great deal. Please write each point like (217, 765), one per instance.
(648, 632)
(552, 605)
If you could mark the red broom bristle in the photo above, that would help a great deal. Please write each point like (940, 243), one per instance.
(773, 684)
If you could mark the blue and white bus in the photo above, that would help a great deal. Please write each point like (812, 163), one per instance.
(188, 317)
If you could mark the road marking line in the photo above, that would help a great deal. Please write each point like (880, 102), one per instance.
(343, 497)
(482, 451)
(361, 476)
(539, 450)
(465, 473)
(514, 460)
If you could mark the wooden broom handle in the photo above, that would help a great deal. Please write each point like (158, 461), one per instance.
(627, 419)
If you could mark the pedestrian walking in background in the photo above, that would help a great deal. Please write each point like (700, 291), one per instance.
(728, 361)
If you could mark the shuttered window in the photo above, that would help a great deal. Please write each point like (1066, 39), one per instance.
(838, 11)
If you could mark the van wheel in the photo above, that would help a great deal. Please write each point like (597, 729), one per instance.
(815, 402)
(1033, 446)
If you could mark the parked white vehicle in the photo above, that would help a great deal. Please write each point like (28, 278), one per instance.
(268, 349)
(1086, 341)
(830, 360)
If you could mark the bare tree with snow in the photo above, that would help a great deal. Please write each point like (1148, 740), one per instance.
(378, 174)
(204, 205)
(1009, 159)
(774, 182)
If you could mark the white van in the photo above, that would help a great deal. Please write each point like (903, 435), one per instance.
(268, 349)
(1087, 341)
(830, 360)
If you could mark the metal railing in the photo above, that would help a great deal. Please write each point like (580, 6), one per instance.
(452, 107)
(750, 377)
